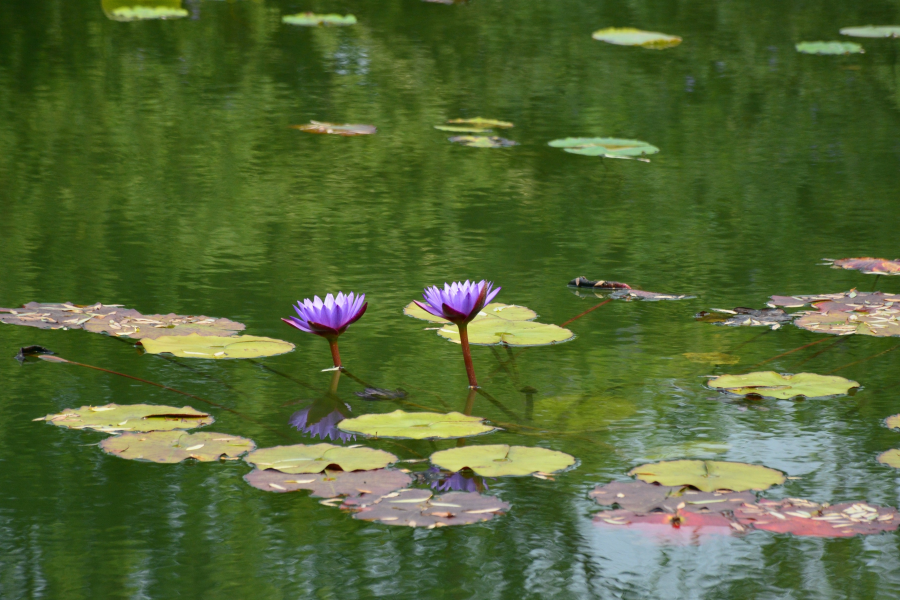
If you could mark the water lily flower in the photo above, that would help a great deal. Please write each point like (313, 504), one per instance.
(329, 318)
(459, 303)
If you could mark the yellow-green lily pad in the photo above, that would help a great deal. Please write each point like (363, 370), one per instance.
(208, 346)
(829, 48)
(493, 330)
(607, 147)
(115, 418)
(890, 458)
(309, 19)
(873, 31)
(481, 123)
(510, 312)
(140, 10)
(176, 446)
(315, 458)
(775, 385)
(893, 422)
(629, 36)
(709, 475)
(500, 460)
(416, 426)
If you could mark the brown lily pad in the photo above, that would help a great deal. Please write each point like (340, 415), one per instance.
(63, 315)
(842, 301)
(114, 418)
(642, 497)
(347, 129)
(134, 325)
(175, 446)
(881, 322)
(805, 518)
(362, 486)
(417, 508)
(868, 265)
(746, 317)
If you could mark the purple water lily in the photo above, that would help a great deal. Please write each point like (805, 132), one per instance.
(459, 303)
(324, 428)
(454, 482)
(329, 318)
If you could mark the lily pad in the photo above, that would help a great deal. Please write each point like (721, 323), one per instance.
(873, 31)
(462, 129)
(774, 385)
(58, 315)
(629, 295)
(347, 129)
(629, 36)
(500, 460)
(709, 475)
(851, 301)
(882, 322)
(510, 312)
(805, 518)
(868, 265)
(417, 508)
(893, 422)
(301, 458)
(140, 10)
(493, 330)
(134, 325)
(829, 48)
(365, 486)
(712, 358)
(607, 147)
(890, 458)
(309, 19)
(481, 141)
(207, 346)
(681, 522)
(176, 446)
(480, 122)
(584, 282)
(642, 497)
(416, 426)
(114, 418)
(746, 317)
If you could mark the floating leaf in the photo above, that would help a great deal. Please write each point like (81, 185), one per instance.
(309, 19)
(873, 31)
(134, 325)
(709, 475)
(684, 523)
(774, 385)
(712, 358)
(301, 458)
(607, 147)
(176, 446)
(58, 316)
(869, 265)
(206, 346)
(890, 458)
(893, 422)
(510, 312)
(843, 301)
(416, 426)
(629, 295)
(805, 518)
(501, 460)
(745, 317)
(493, 330)
(829, 48)
(416, 508)
(480, 122)
(884, 322)
(629, 36)
(575, 413)
(462, 129)
(114, 418)
(584, 282)
(642, 497)
(348, 129)
(139, 10)
(364, 486)
(480, 141)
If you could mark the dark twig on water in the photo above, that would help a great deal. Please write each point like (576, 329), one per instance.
(822, 351)
(892, 348)
(790, 352)
(593, 308)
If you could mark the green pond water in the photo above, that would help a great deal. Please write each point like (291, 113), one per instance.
(151, 164)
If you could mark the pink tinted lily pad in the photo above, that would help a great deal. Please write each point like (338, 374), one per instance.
(805, 518)
(868, 265)
(642, 497)
(417, 508)
(680, 522)
(347, 129)
(364, 486)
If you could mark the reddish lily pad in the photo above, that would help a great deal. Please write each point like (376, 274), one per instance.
(114, 418)
(868, 265)
(642, 497)
(805, 518)
(364, 486)
(347, 129)
(842, 301)
(660, 522)
(175, 446)
(417, 508)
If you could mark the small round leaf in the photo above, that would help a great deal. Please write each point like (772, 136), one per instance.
(176, 446)
(315, 458)
(774, 385)
(629, 36)
(709, 475)
(114, 418)
(501, 460)
(207, 346)
(829, 48)
(416, 426)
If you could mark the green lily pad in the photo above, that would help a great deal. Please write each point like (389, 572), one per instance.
(176, 446)
(890, 458)
(481, 141)
(114, 418)
(709, 475)
(606, 147)
(207, 346)
(309, 19)
(500, 460)
(315, 458)
(492, 330)
(774, 385)
(416, 426)
(139, 10)
(482, 123)
(462, 129)
(510, 312)
(829, 48)
(873, 31)
(629, 36)
(575, 413)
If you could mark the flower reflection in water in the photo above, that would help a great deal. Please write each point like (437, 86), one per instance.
(442, 481)
(320, 419)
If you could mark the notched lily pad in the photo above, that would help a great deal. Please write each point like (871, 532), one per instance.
(58, 315)
(832, 48)
(712, 358)
(775, 385)
(606, 147)
(417, 508)
(642, 497)
(114, 418)
(510, 312)
(482, 123)
(629, 36)
(309, 19)
(873, 31)
(500, 460)
(693, 523)
(493, 330)
(175, 446)
(363, 486)
(893, 422)
(867, 265)
(709, 475)
(890, 458)
(316, 458)
(481, 141)
(347, 129)
(416, 426)
(214, 347)
(805, 518)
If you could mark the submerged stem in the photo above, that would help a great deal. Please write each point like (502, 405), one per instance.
(467, 354)
(335, 379)
(335, 355)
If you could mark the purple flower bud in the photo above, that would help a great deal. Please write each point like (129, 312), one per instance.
(328, 318)
(460, 302)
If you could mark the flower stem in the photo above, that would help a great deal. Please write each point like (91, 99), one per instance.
(335, 355)
(467, 354)
(335, 379)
